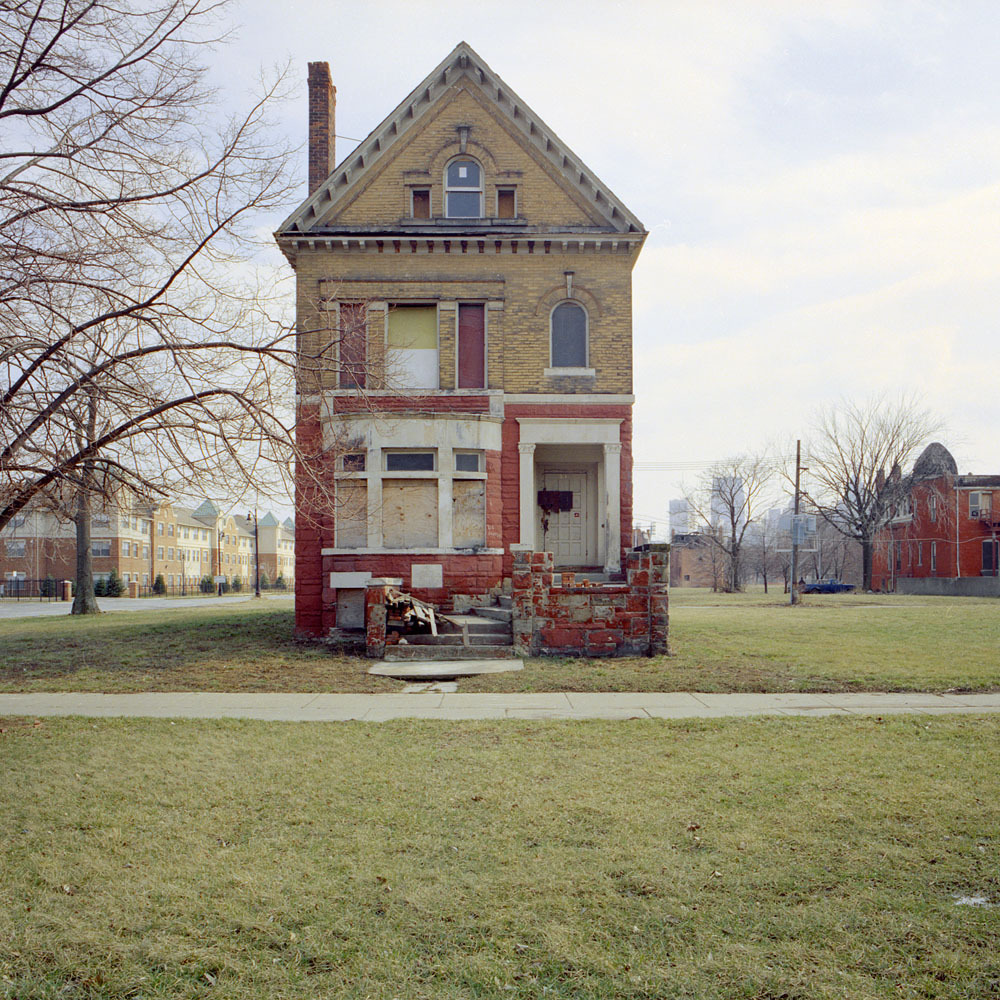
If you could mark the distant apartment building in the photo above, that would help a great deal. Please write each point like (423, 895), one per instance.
(141, 542)
(680, 517)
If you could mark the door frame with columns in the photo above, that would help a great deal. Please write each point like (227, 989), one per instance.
(604, 432)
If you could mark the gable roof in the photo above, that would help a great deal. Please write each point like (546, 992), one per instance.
(206, 510)
(463, 61)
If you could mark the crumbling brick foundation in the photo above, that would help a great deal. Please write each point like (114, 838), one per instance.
(585, 619)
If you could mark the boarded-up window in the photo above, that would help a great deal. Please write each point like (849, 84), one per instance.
(506, 203)
(471, 347)
(468, 500)
(351, 516)
(421, 203)
(409, 513)
(413, 347)
(569, 336)
(353, 344)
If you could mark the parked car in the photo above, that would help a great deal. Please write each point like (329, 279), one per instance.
(826, 587)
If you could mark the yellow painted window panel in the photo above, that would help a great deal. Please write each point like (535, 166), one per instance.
(413, 327)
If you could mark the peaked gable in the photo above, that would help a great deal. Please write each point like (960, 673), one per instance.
(464, 65)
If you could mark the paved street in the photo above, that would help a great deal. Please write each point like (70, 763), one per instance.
(431, 704)
(33, 609)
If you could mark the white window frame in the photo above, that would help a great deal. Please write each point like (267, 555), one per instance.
(479, 472)
(397, 473)
(464, 158)
(584, 371)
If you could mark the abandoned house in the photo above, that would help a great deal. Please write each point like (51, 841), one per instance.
(464, 308)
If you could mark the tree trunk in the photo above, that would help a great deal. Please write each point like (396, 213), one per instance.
(866, 563)
(84, 602)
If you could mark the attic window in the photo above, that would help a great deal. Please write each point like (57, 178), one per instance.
(421, 203)
(464, 190)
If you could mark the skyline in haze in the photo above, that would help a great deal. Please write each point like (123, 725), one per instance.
(818, 185)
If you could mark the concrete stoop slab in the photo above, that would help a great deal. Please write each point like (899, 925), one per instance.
(443, 669)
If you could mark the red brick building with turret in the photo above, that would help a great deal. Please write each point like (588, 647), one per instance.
(943, 536)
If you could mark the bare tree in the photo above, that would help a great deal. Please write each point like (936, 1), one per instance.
(728, 500)
(139, 351)
(854, 461)
(764, 558)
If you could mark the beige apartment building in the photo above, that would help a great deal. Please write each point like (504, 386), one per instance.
(143, 541)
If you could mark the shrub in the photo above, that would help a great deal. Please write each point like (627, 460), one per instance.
(115, 586)
(280, 584)
(100, 588)
(265, 581)
(48, 587)
(236, 585)
(206, 586)
(159, 584)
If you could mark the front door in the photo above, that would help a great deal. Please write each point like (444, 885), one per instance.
(570, 535)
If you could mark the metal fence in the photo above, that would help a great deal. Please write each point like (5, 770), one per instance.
(21, 589)
(195, 590)
(49, 589)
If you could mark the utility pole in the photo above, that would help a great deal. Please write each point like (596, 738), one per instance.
(256, 552)
(794, 588)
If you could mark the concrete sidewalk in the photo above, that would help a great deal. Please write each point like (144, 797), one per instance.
(437, 705)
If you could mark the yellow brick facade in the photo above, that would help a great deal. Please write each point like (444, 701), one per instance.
(520, 291)
(518, 267)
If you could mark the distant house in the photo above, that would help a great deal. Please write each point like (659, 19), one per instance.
(943, 535)
(695, 561)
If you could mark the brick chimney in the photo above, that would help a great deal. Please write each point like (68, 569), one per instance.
(322, 116)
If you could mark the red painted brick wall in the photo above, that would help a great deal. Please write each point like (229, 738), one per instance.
(311, 519)
(413, 404)
(463, 573)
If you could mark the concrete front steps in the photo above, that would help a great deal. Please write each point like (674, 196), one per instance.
(484, 633)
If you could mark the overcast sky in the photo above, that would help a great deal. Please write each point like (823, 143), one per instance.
(819, 182)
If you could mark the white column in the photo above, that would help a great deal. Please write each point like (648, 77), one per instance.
(445, 510)
(527, 493)
(613, 506)
(374, 466)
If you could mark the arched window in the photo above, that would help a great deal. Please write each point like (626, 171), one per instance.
(463, 190)
(569, 336)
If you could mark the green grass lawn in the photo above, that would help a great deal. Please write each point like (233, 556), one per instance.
(759, 858)
(746, 642)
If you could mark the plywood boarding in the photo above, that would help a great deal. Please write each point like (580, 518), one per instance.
(352, 513)
(471, 347)
(469, 512)
(409, 513)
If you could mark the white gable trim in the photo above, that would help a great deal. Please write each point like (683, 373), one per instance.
(463, 61)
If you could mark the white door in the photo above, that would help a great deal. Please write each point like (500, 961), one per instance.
(570, 535)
